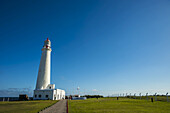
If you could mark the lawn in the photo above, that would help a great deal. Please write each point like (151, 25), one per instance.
(25, 106)
(112, 105)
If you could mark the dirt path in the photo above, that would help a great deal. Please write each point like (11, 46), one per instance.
(59, 107)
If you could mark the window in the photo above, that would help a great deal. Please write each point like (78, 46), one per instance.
(39, 96)
(35, 96)
(46, 96)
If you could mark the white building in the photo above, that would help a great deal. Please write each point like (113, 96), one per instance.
(44, 90)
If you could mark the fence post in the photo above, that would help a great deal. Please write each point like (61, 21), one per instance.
(155, 97)
(130, 95)
(140, 95)
(147, 96)
(135, 95)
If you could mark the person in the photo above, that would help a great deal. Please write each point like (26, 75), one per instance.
(151, 99)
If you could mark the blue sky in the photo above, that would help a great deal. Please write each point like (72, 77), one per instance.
(103, 46)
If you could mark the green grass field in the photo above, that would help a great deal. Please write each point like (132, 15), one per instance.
(24, 106)
(112, 105)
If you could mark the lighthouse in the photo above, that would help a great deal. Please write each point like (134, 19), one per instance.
(44, 90)
(43, 79)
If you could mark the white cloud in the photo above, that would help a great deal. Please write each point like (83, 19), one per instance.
(14, 92)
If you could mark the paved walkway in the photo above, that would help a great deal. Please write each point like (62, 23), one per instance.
(59, 107)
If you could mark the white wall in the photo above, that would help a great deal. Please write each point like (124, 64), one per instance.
(59, 94)
(52, 94)
(43, 94)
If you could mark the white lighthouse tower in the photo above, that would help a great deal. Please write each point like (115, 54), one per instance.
(44, 90)
(43, 79)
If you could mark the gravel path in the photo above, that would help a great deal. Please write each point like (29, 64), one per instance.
(59, 107)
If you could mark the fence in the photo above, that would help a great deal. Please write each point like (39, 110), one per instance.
(156, 97)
